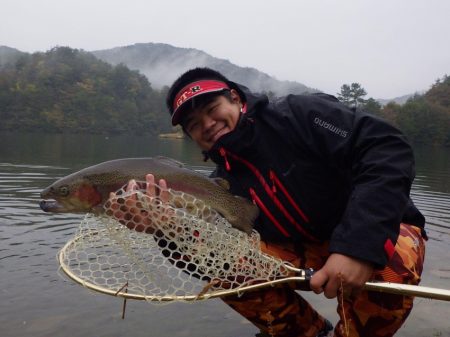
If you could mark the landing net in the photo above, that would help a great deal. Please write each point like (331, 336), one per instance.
(174, 250)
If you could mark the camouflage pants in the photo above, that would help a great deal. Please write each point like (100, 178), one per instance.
(281, 311)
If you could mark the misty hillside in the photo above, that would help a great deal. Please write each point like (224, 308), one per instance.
(399, 100)
(9, 56)
(163, 63)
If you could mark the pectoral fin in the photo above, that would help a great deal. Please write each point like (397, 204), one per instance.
(245, 220)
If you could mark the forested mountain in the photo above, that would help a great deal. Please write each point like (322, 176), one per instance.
(72, 91)
(9, 56)
(425, 119)
(69, 90)
(163, 63)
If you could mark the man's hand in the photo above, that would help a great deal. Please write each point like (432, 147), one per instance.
(341, 270)
(128, 211)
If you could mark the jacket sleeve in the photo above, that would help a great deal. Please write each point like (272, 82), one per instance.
(373, 154)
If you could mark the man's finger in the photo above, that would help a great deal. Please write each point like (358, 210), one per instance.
(331, 288)
(318, 281)
(132, 185)
(164, 193)
(150, 188)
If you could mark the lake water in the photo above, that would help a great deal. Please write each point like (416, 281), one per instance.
(37, 300)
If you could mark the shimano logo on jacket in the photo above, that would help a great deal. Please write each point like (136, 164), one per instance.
(331, 127)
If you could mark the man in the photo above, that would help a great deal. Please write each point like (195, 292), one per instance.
(332, 185)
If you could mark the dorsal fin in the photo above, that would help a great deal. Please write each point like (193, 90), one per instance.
(169, 161)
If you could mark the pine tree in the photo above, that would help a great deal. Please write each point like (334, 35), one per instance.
(352, 95)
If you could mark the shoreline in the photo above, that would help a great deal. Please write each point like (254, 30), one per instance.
(174, 135)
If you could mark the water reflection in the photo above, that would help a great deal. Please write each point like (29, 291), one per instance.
(37, 301)
(75, 151)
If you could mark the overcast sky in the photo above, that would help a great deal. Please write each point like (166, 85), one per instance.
(391, 47)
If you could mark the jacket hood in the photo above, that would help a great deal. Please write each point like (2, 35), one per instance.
(253, 100)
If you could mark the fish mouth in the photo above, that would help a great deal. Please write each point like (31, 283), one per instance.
(53, 206)
(50, 206)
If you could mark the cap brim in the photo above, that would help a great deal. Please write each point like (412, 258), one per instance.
(181, 111)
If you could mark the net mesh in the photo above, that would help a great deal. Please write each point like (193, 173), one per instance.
(176, 249)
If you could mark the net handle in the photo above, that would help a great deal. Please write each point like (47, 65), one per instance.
(304, 276)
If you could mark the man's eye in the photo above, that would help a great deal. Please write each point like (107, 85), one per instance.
(212, 109)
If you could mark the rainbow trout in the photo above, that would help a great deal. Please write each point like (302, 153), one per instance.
(87, 190)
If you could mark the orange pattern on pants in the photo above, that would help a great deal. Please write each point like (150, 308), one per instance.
(281, 311)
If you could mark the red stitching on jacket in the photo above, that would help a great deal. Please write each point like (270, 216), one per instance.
(278, 183)
(270, 193)
(223, 153)
(263, 207)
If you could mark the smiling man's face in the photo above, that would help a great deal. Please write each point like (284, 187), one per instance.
(208, 122)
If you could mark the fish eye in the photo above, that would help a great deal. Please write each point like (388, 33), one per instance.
(64, 190)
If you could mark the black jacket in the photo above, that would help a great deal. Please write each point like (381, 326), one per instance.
(319, 170)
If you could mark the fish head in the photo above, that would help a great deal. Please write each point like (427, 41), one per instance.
(71, 196)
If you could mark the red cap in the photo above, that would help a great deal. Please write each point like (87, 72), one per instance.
(192, 90)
